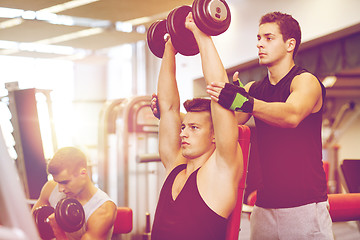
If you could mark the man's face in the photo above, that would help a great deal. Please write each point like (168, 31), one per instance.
(271, 45)
(69, 183)
(197, 135)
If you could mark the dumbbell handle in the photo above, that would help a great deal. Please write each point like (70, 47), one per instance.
(58, 232)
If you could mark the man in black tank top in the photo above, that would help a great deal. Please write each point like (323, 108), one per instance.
(287, 107)
(200, 152)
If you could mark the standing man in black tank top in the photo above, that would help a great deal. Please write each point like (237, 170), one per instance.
(200, 152)
(287, 107)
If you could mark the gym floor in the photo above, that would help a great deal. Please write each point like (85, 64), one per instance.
(342, 230)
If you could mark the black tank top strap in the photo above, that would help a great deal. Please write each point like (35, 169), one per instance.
(174, 173)
(177, 169)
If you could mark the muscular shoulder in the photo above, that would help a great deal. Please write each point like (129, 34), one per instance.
(306, 82)
(307, 86)
(47, 189)
(305, 79)
(45, 194)
(101, 221)
(106, 211)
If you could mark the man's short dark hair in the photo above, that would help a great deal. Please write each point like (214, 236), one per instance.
(70, 158)
(289, 27)
(198, 105)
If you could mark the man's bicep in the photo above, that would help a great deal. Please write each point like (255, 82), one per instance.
(305, 94)
(225, 126)
(169, 136)
(101, 221)
(44, 195)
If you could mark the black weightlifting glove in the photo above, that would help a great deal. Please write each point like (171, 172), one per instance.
(234, 97)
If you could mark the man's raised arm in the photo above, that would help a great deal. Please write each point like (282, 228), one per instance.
(169, 103)
(225, 124)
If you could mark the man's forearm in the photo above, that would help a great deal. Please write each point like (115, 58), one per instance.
(276, 114)
(213, 68)
(168, 94)
(224, 121)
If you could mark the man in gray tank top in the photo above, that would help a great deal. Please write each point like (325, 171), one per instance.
(68, 168)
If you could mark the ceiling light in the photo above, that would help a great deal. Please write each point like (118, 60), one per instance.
(8, 51)
(70, 36)
(8, 44)
(66, 6)
(143, 20)
(329, 81)
(10, 12)
(30, 15)
(11, 23)
(10, 47)
(62, 20)
(138, 21)
(62, 50)
(124, 27)
(141, 29)
(46, 16)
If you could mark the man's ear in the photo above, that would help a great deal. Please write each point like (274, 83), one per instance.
(83, 171)
(291, 43)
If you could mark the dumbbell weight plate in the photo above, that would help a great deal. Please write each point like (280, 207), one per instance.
(41, 215)
(182, 38)
(69, 214)
(156, 37)
(213, 17)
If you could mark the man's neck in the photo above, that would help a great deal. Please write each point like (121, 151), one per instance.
(278, 71)
(194, 164)
(86, 194)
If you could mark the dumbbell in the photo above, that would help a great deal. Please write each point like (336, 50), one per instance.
(174, 25)
(211, 16)
(69, 215)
